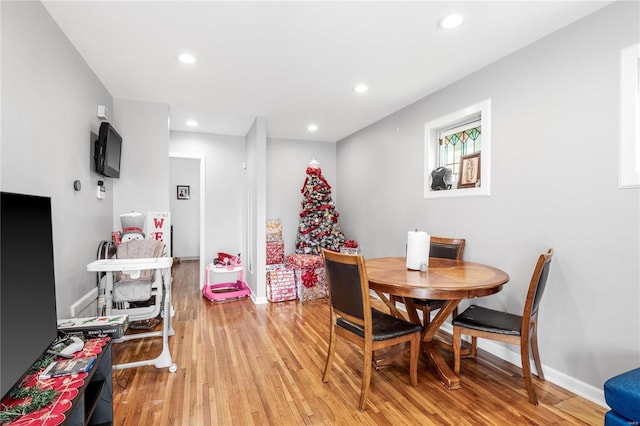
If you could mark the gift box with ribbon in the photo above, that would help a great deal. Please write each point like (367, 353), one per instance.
(309, 275)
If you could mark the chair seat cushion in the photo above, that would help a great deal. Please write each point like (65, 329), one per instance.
(429, 303)
(484, 319)
(132, 291)
(622, 394)
(385, 326)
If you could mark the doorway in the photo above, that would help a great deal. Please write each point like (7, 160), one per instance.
(187, 201)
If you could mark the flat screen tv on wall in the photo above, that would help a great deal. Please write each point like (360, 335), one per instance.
(108, 149)
(28, 320)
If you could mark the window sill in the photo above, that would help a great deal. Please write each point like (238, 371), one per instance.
(457, 193)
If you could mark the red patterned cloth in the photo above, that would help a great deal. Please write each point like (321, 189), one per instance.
(67, 386)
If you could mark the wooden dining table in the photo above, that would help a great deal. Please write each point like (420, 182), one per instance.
(444, 279)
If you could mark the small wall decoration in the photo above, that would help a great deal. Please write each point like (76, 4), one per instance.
(183, 192)
(469, 171)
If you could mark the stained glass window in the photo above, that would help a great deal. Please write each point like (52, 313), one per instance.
(460, 140)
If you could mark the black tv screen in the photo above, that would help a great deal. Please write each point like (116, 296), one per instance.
(28, 320)
(108, 151)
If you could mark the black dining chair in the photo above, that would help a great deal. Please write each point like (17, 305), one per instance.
(521, 330)
(353, 318)
(443, 248)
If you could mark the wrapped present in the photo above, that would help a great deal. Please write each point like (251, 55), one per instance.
(310, 276)
(274, 230)
(311, 283)
(281, 284)
(350, 247)
(304, 261)
(350, 250)
(275, 252)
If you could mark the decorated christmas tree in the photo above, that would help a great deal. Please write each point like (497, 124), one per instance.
(318, 219)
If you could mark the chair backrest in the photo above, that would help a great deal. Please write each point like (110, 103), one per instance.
(139, 249)
(348, 286)
(537, 284)
(446, 248)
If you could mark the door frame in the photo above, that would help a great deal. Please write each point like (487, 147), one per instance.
(203, 197)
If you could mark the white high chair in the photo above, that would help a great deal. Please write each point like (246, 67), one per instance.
(128, 280)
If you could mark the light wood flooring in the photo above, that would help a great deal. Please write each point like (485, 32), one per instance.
(242, 364)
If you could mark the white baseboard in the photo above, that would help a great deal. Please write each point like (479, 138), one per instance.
(259, 300)
(592, 393)
(585, 390)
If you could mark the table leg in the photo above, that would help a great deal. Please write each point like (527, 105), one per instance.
(412, 310)
(392, 309)
(430, 346)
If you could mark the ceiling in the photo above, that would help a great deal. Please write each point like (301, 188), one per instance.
(296, 62)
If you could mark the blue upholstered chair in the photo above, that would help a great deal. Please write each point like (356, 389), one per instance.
(622, 394)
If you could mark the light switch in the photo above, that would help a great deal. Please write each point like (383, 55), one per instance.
(102, 112)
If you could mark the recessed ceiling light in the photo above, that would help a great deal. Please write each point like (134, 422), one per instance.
(451, 21)
(360, 88)
(186, 58)
(312, 127)
(192, 123)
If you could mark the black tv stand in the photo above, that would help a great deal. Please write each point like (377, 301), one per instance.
(94, 403)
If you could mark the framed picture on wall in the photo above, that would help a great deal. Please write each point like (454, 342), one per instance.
(469, 171)
(183, 192)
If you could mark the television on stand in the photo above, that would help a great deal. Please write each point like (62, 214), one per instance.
(28, 318)
(108, 150)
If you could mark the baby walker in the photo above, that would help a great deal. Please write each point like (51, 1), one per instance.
(220, 292)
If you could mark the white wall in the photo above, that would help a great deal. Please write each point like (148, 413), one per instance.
(185, 214)
(49, 110)
(554, 184)
(287, 161)
(144, 167)
(224, 187)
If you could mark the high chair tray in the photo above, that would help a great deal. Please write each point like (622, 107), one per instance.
(123, 265)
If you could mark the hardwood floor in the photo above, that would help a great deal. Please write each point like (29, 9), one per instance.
(242, 364)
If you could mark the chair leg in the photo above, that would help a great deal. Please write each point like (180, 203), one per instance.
(534, 350)
(413, 360)
(456, 350)
(330, 352)
(366, 380)
(474, 347)
(526, 372)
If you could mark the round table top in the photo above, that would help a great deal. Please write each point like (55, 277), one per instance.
(444, 279)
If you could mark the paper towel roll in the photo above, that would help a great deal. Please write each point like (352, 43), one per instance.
(417, 249)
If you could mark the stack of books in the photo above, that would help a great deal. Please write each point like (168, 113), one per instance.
(66, 367)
